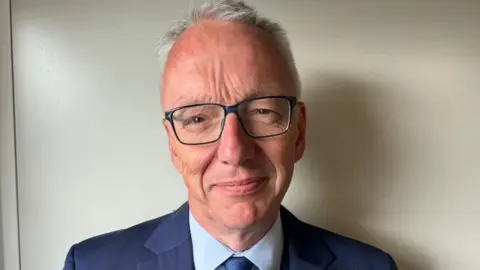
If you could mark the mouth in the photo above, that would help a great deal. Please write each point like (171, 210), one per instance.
(242, 187)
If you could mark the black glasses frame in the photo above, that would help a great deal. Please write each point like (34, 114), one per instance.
(232, 109)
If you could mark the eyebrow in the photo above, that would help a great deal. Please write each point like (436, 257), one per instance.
(203, 98)
(189, 100)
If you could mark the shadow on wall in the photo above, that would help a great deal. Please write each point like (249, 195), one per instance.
(353, 156)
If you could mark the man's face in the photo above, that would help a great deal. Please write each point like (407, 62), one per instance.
(237, 181)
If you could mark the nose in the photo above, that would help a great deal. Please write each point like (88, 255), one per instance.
(235, 146)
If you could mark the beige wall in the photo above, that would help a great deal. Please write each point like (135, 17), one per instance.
(393, 100)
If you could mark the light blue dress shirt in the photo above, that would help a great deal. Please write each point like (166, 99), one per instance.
(209, 253)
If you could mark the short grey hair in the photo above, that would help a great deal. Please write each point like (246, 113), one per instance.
(234, 11)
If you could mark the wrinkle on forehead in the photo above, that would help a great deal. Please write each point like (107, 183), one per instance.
(223, 62)
(202, 98)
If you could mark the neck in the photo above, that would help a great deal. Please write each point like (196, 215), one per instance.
(236, 239)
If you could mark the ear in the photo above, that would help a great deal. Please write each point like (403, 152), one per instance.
(171, 145)
(301, 126)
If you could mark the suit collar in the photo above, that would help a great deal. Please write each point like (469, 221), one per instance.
(171, 242)
(305, 246)
(171, 232)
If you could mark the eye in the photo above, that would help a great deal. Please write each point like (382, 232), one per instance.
(193, 120)
(262, 111)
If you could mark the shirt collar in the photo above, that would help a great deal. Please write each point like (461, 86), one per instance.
(208, 253)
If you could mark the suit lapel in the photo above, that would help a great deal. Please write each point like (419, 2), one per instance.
(304, 247)
(172, 246)
(178, 258)
(171, 243)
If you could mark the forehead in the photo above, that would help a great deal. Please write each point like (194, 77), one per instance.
(223, 62)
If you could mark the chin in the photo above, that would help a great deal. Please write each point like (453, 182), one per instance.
(243, 214)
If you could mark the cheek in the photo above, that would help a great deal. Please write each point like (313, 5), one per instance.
(281, 154)
(193, 162)
(281, 149)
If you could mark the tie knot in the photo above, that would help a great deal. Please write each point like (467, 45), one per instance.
(238, 263)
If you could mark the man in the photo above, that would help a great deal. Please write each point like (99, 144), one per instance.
(236, 127)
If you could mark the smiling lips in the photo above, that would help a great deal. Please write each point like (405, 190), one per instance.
(242, 187)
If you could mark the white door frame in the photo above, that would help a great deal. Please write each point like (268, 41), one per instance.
(9, 233)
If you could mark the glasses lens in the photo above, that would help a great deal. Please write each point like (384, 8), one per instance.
(265, 116)
(198, 124)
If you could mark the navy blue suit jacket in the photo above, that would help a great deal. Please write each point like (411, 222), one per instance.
(165, 244)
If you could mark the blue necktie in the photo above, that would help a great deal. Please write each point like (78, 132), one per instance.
(238, 263)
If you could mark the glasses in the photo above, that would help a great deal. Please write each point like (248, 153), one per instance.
(259, 117)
